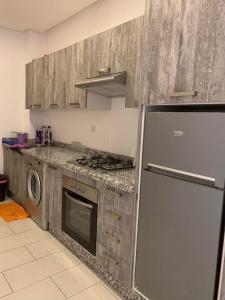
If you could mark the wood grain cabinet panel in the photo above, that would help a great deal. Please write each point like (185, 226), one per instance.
(39, 82)
(15, 167)
(29, 86)
(77, 57)
(36, 76)
(134, 63)
(183, 51)
(56, 83)
(116, 223)
(100, 52)
(54, 195)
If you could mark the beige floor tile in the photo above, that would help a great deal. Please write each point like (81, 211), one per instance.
(45, 247)
(5, 231)
(4, 286)
(44, 290)
(20, 226)
(2, 221)
(75, 280)
(96, 292)
(14, 258)
(22, 239)
(33, 272)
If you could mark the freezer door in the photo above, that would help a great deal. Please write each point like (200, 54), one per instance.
(191, 142)
(178, 239)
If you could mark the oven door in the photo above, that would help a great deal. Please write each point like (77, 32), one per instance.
(79, 219)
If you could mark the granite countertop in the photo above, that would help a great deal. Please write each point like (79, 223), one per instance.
(123, 180)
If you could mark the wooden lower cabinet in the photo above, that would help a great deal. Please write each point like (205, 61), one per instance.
(54, 197)
(15, 167)
(115, 245)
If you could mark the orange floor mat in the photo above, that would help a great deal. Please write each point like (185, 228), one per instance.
(12, 211)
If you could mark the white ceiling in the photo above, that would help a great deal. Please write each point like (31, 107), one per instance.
(39, 15)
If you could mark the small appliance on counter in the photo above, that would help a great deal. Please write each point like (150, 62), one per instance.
(43, 135)
(20, 137)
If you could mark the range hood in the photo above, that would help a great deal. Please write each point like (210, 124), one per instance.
(110, 85)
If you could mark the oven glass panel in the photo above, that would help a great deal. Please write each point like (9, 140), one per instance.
(79, 218)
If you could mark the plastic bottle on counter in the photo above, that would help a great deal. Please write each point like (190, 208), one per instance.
(49, 135)
(43, 132)
(38, 136)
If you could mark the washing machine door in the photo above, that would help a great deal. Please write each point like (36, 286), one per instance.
(34, 187)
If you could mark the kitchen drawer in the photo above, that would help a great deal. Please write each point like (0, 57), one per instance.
(117, 244)
(118, 201)
(117, 222)
(115, 266)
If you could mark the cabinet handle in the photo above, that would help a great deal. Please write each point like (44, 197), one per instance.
(37, 105)
(52, 167)
(54, 105)
(115, 193)
(30, 106)
(114, 215)
(112, 259)
(112, 236)
(74, 104)
(104, 71)
(183, 94)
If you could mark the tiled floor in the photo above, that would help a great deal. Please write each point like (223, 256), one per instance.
(34, 266)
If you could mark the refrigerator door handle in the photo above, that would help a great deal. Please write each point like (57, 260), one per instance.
(201, 179)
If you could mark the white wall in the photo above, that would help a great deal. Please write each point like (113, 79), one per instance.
(98, 17)
(12, 78)
(116, 131)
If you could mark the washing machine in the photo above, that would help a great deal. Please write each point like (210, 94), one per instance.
(36, 200)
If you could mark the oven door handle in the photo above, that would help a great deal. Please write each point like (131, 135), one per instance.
(78, 202)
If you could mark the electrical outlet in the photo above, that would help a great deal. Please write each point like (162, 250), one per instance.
(93, 128)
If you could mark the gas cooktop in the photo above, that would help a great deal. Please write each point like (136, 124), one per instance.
(108, 163)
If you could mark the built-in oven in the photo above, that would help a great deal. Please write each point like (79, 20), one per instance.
(79, 213)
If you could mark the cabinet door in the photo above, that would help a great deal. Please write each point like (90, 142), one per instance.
(134, 63)
(12, 171)
(54, 196)
(197, 29)
(116, 222)
(29, 85)
(39, 82)
(99, 47)
(57, 79)
(183, 51)
(76, 71)
(22, 177)
(214, 48)
(161, 49)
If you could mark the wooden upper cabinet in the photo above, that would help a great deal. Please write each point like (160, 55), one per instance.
(119, 49)
(36, 83)
(161, 49)
(134, 63)
(99, 56)
(77, 56)
(39, 82)
(57, 76)
(29, 85)
(184, 51)
(51, 79)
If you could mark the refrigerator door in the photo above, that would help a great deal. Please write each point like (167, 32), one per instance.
(191, 142)
(178, 239)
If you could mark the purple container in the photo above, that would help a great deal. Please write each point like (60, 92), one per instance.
(21, 138)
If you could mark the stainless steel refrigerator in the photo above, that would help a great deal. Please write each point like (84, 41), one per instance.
(181, 222)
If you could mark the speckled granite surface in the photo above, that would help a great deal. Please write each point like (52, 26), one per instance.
(58, 156)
